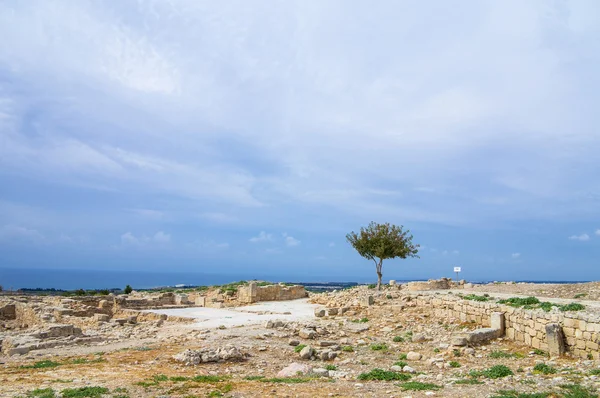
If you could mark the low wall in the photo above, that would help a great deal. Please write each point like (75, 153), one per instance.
(581, 329)
(8, 312)
(253, 293)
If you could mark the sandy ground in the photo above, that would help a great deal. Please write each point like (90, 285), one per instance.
(208, 318)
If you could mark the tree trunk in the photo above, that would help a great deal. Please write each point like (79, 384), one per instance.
(379, 275)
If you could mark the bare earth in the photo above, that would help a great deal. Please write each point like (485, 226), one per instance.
(139, 361)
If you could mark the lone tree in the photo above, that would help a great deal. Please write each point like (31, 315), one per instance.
(379, 242)
(128, 289)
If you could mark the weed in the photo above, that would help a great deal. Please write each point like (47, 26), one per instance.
(289, 380)
(143, 348)
(379, 347)
(595, 372)
(542, 368)
(179, 378)
(41, 393)
(159, 378)
(347, 348)
(398, 339)
(495, 372)
(577, 391)
(299, 347)
(436, 350)
(372, 286)
(400, 363)
(503, 354)
(468, 381)
(361, 320)
(475, 297)
(533, 303)
(579, 295)
(331, 367)
(419, 386)
(42, 365)
(402, 357)
(380, 374)
(456, 352)
(84, 392)
(537, 351)
(454, 364)
(208, 379)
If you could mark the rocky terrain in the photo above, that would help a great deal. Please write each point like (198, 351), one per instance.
(360, 343)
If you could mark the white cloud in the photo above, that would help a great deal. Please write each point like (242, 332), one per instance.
(598, 232)
(160, 238)
(261, 237)
(331, 244)
(582, 237)
(515, 255)
(291, 241)
(20, 233)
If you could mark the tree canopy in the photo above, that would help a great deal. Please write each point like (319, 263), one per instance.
(378, 242)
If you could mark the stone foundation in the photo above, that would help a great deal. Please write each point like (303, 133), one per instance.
(253, 293)
(581, 329)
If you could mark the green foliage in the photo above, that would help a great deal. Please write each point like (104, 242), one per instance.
(577, 391)
(208, 378)
(454, 364)
(42, 365)
(419, 386)
(401, 363)
(84, 392)
(159, 378)
(495, 372)
(371, 286)
(537, 351)
(378, 242)
(128, 289)
(80, 292)
(398, 339)
(475, 297)
(469, 381)
(542, 368)
(380, 374)
(41, 393)
(516, 394)
(331, 367)
(436, 350)
(361, 320)
(299, 347)
(402, 356)
(456, 352)
(534, 303)
(577, 296)
(379, 347)
(347, 348)
(179, 378)
(595, 372)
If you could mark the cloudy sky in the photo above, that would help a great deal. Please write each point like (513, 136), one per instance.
(251, 136)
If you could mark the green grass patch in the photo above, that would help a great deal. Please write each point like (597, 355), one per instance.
(208, 379)
(299, 347)
(398, 339)
(47, 364)
(579, 295)
(347, 348)
(469, 381)
(542, 368)
(537, 351)
(577, 391)
(419, 386)
(534, 303)
(179, 378)
(475, 297)
(400, 363)
(454, 364)
(84, 392)
(379, 347)
(402, 356)
(361, 320)
(331, 367)
(595, 372)
(380, 374)
(495, 372)
(41, 393)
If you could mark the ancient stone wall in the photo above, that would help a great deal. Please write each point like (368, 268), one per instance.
(253, 293)
(581, 329)
(434, 284)
(8, 311)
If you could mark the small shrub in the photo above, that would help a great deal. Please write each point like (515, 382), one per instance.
(400, 363)
(208, 379)
(519, 301)
(159, 378)
(456, 352)
(372, 286)
(402, 357)
(577, 391)
(595, 372)
(380, 374)
(128, 289)
(503, 354)
(572, 307)
(179, 378)
(475, 297)
(379, 347)
(542, 368)
(577, 296)
(497, 372)
(537, 351)
(436, 350)
(516, 394)
(289, 380)
(299, 347)
(398, 339)
(454, 364)
(331, 367)
(419, 386)
(347, 348)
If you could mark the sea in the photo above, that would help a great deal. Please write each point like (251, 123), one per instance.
(70, 279)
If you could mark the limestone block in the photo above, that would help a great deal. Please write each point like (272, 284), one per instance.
(497, 322)
(555, 339)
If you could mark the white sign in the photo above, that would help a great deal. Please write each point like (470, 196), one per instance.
(456, 269)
